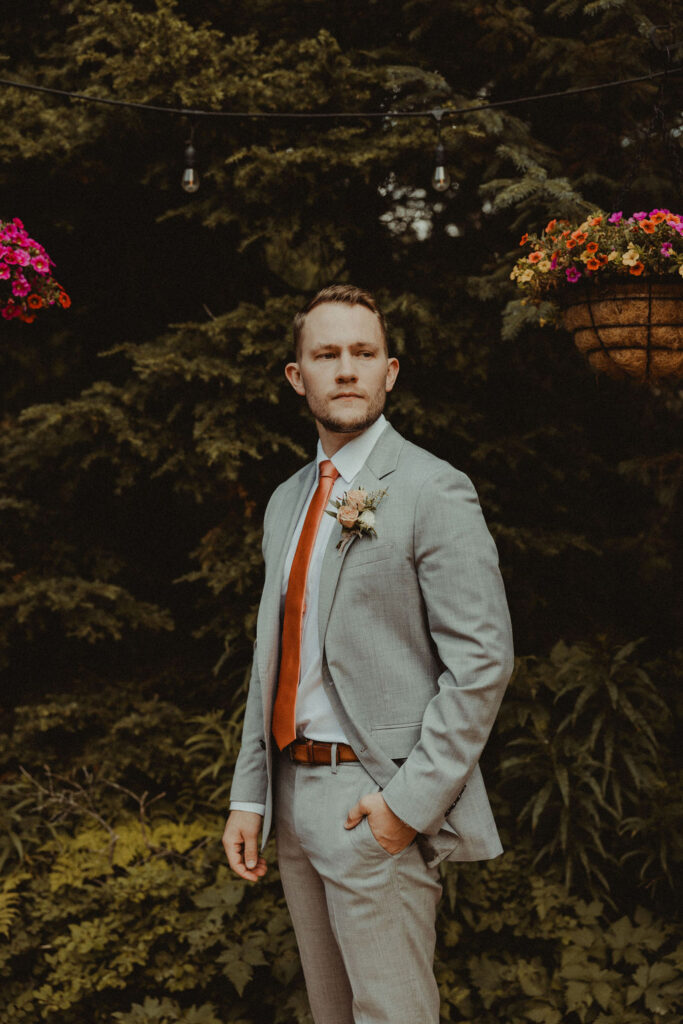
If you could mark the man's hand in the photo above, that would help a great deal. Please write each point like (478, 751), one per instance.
(389, 831)
(240, 842)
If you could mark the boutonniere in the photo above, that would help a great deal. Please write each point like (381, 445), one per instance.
(355, 511)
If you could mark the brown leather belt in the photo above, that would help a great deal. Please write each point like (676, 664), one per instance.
(318, 752)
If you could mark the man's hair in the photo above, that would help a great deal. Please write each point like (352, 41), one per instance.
(346, 293)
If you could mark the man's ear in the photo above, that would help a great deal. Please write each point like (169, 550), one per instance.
(392, 373)
(293, 375)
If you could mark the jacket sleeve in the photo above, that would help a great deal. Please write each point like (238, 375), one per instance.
(250, 780)
(467, 615)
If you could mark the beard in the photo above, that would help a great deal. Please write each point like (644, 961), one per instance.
(323, 416)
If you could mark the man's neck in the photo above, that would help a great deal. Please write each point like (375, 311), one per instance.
(331, 443)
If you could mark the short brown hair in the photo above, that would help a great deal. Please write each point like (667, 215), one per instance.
(347, 293)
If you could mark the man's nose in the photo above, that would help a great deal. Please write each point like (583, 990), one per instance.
(345, 367)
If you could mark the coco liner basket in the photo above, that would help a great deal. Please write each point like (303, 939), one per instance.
(630, 328)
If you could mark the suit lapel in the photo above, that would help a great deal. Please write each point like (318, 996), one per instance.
(381, 462)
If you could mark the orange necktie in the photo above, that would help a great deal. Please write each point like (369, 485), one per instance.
(284, 729)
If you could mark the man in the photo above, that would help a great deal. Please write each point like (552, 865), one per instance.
(383, 648)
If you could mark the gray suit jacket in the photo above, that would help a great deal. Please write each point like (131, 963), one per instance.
(416, 642)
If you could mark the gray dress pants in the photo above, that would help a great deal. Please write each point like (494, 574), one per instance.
(364, 920)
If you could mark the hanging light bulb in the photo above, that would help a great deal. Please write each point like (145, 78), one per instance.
(190, 179)
(441, 179)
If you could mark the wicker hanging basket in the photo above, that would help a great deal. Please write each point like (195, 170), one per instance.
(630, 329)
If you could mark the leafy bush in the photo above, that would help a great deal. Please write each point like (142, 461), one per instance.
(117, 903)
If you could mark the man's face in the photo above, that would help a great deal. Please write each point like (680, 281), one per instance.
(342, 369)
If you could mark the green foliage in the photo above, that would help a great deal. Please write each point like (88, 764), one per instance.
(124, 909)
(585, 765)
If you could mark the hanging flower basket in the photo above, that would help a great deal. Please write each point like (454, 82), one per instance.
(629, 329)
(26, 281)
(617, 285)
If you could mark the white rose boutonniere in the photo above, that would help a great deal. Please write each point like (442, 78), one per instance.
(355, 511)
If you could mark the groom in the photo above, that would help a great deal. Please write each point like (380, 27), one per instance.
(378, 671)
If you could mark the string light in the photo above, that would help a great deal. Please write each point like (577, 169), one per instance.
(190, 179)
(441, 179)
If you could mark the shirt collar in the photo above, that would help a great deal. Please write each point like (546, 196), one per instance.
(350, 459)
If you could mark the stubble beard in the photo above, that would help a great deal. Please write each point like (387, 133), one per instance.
(356, 426)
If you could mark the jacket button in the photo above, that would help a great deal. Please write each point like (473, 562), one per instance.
(262, 744)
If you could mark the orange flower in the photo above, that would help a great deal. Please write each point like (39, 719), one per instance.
(593, 264)
(524, 239)
(602, 259)
(658, 218)
(28, 318)
(636, 269)
(534, 257)
(592, 247)
(34, 301)
(64, 300)
(579, 237)
(550, 226)
(647, 226)
(571, 243)
(565, 234)
(594, 221)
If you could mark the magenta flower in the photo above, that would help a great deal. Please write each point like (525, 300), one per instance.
(639, 216)
(553, 261)
(23, 258)
(615, 217)
(20, 286)
(40, 264)
(10, 257)
(667, 249)
(4, 272)
(573, 274)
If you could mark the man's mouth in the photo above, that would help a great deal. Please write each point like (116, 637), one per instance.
(348, 394)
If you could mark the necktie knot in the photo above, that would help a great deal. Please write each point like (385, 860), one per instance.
(328, 469)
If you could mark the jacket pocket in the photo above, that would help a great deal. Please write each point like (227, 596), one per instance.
(365, 551)
(397, 740)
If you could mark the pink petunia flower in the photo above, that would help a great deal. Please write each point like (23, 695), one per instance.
(639, 216)
(666, 249)
(23, 258)
(20, 286)
(40, 265)
(616, 217)
(573, 274)
(4, 271)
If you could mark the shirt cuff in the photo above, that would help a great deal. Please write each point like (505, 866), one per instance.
(238, 805)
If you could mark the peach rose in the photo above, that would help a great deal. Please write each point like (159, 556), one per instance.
(347, 516)
(357, 498)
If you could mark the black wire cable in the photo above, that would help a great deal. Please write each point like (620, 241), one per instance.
(359, 115)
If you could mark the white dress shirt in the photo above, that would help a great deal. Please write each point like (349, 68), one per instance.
(315, 718)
